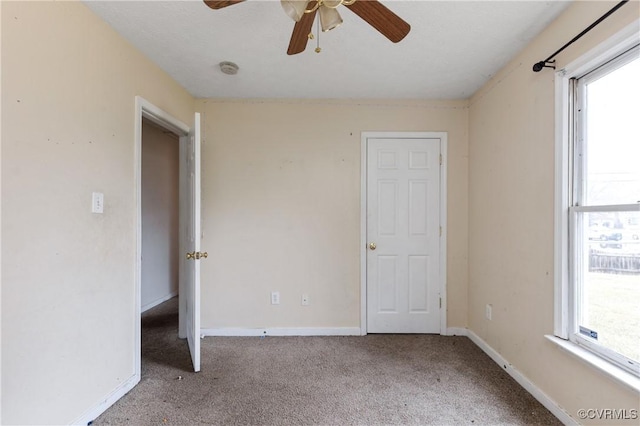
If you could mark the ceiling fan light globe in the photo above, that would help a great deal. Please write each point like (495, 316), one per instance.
(294, 8)
(329, 19)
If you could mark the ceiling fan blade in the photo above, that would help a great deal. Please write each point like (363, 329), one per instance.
(301, 30)
(382, 19)
(219, 4)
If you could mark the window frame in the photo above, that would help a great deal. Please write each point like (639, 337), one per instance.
(568, 181)
(575, 271)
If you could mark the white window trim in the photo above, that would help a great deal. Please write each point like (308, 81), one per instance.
(623, 40)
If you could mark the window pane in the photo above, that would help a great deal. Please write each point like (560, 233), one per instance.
(609, 280)
(613, 137)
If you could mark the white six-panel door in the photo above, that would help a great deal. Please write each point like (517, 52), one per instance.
(192, 266)
(403, 235)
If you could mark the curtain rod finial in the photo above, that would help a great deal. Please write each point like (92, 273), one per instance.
(537, 67)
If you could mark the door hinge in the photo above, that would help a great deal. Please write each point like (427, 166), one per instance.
(441, 159)
(441, 303)
(441, 231)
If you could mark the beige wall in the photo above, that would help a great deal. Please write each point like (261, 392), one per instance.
(511, 201)
(281, 207)
(0, 219)
(68, 87)
(160, 243)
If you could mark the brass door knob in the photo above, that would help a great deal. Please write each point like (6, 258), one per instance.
(191, 255)
(372, 246)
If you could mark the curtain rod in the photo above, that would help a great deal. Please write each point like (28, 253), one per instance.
(550, 63)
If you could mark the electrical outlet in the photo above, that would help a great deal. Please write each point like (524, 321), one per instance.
(275, 297)
(97, 202)
(487, 311)
(305, 300)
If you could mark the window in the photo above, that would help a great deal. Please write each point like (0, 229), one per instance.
(598, 217)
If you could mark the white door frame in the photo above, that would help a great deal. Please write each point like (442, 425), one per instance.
(146, 109)
(363, 218)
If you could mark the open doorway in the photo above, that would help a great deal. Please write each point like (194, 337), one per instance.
(188, 234)
(160, 215)
(160, 249)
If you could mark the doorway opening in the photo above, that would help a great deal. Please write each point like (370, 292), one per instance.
(154, 119)
(160, 259)
(160, 215)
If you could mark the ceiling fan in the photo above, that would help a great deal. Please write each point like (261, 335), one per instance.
(303, 12)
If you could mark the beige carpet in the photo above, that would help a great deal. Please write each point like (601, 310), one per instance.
(370, 380)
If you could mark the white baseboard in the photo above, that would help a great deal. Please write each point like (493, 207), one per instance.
(535, 391)
(91, 414)
(158, 301)
(290, 331)
(457, 331)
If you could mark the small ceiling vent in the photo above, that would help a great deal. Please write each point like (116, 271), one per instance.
(228, 68)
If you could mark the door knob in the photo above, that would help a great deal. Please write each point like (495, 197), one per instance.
(372, 246)
(191, 255)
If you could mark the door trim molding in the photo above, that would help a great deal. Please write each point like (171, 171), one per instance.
(363, 218)
(146, 109)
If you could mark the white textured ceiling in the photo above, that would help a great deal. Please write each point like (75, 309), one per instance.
(453, 47)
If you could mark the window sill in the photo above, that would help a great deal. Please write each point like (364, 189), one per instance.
(609, 369)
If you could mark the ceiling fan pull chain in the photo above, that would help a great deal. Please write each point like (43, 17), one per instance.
(318, 49)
